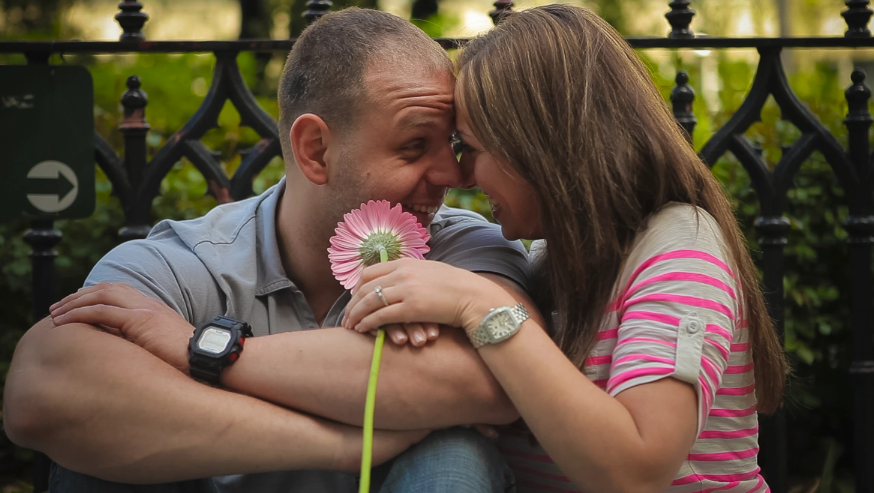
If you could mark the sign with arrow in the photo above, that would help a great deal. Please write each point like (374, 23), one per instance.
(46, 142)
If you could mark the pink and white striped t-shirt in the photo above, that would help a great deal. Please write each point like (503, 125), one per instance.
(677, 313)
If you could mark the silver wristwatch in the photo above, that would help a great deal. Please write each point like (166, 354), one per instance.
(498, 325)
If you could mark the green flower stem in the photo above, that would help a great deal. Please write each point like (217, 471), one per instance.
(370, 402)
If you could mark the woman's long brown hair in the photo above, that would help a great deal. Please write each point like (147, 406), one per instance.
(559, 95)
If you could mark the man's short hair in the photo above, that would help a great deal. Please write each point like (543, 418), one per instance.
(325, 71)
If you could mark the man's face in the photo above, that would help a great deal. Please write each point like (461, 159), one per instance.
(400, 150)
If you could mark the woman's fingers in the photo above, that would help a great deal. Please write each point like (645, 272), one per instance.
(380, 270)
(416, 334)
(366, 302)
(391, 314)
(396, 334)
(432, 330)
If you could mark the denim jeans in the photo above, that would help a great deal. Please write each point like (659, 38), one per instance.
(456, 460)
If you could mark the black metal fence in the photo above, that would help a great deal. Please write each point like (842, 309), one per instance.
(136, 180)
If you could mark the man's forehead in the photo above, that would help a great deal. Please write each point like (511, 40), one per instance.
(418, 116)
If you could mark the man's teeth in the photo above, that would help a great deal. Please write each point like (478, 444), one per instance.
(423, 208)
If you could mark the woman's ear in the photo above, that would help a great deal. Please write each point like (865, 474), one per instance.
(310, 137)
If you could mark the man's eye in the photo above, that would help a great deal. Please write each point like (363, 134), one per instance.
(413, 148)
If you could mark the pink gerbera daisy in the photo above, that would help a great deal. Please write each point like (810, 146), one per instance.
(375, 227)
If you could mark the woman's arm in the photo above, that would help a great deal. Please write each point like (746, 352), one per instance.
(634, 442)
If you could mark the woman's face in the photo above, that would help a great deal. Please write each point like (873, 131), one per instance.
(513, 200)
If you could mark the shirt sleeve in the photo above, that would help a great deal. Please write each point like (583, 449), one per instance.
(168, 274)
(677, 313)
(466, 240)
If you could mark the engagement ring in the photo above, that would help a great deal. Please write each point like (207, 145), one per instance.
(378, 292)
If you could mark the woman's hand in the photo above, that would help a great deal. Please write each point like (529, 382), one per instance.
(421, 291)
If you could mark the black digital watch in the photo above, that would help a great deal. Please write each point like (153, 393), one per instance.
(214, 346)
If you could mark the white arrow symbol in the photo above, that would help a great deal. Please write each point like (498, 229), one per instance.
(53, 202)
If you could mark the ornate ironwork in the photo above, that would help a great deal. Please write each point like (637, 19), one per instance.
(857, 16)
(680, 17)
(502, 9)
(142, 179)
(682, 97)
(316, 9)
(771, 188)
(131, 20)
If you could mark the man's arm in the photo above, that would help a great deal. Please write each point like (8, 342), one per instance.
(101, 405)
(325, 372)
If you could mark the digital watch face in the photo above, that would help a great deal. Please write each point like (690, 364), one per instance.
(213, 340)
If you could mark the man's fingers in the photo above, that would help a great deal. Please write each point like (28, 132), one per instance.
(81, 292)
(99, 315)
(116, 295)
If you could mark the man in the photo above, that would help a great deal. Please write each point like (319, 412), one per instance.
(366, 113)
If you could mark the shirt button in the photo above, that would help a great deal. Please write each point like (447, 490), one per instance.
(693, 326)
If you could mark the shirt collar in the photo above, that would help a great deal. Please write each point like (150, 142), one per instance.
(271, 274)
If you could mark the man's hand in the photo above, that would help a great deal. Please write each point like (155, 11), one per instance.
(122, 310)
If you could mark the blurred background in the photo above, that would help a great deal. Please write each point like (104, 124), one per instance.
(817, 335)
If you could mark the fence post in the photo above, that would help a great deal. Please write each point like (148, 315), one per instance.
(42, 238)
(134, 127)
(860, 226)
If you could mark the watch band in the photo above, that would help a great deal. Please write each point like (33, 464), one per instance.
(480, 336)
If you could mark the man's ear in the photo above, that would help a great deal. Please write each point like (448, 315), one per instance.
(310, 137)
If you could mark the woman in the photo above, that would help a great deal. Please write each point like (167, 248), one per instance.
(661, 351)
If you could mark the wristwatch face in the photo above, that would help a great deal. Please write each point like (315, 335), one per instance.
(214, 340)
(501, 324)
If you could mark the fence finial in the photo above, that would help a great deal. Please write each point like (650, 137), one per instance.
(316, 9)
(131, 20)
(857, 16)
(682, 97)
(680, 17)
(857, 96)
(502, 9)
(858, 121)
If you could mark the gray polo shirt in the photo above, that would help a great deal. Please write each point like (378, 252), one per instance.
(227, 263)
